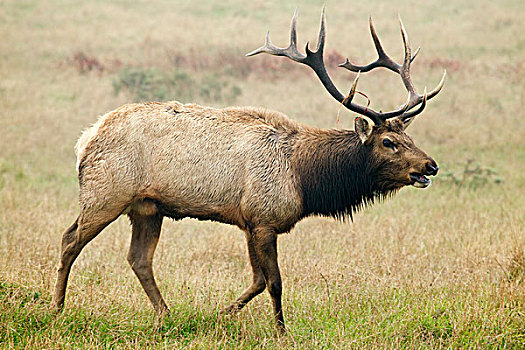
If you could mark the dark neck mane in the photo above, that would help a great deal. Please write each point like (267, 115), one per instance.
(336, 174)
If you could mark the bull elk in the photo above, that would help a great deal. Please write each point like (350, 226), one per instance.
(243, 166)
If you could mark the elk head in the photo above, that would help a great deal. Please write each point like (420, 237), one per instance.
(400, 162)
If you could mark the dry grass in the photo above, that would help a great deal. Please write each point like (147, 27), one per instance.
(442, 267)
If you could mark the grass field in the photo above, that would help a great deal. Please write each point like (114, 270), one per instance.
(436, 268)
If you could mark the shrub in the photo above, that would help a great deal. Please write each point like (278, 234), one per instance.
(473, 175)
(146, 84)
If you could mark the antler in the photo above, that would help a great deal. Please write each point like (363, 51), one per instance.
(314, 59)
(403, 70)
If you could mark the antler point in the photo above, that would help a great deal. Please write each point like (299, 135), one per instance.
(344, 63)
(267, 40)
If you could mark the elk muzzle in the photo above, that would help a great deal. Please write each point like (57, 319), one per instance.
(420, 180)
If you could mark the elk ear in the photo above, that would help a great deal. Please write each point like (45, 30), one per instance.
(363, 128)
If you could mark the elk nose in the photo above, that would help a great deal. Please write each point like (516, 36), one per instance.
(432, 168)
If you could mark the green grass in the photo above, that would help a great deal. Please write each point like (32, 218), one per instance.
(389, 317)
(439, 268)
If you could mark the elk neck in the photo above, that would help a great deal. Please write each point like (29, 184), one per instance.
(337, 174)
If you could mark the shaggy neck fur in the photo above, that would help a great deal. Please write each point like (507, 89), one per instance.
(338, 174)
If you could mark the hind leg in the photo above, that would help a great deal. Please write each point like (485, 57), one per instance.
(144, 239)
(87, 226)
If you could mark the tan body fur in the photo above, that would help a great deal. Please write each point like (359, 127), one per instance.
(195, 161)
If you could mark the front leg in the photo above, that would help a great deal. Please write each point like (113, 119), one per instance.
(262, 251)
(258, 284)
(265, 247)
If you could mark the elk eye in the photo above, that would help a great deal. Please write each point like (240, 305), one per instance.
(389, 144)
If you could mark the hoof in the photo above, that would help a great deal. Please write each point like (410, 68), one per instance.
(230, 310)
(281, 329)
(55, 309)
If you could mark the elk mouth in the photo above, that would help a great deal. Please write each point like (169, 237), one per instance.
(419, 180)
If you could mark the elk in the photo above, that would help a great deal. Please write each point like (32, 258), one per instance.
(250, 167)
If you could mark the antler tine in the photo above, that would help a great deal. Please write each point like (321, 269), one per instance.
(321, 38)
(405, 68)
(293, 31)
(438, 87)
(377, 43)
(297, 56)
(414, 55)
(291, 51)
